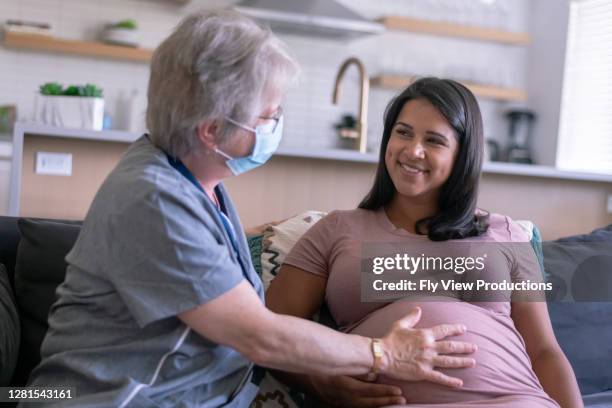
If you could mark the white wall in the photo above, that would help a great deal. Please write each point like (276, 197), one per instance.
(546, 63)
(310, 114)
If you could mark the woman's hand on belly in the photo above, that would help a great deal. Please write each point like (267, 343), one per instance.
(414, 354)
(343, 391)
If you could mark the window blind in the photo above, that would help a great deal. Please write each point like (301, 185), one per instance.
(585, 128)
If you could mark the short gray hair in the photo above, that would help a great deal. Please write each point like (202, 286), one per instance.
(215, 64)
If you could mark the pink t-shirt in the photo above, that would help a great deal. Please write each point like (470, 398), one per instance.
(502, 377)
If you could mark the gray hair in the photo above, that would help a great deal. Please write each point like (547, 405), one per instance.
(216, 64)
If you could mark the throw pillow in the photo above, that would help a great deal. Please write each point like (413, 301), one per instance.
(8, 244)
(255, 243)
(9, 330)
(279, 239)
(40, 267)
(581, 308)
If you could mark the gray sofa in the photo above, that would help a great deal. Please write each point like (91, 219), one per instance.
(32, 252)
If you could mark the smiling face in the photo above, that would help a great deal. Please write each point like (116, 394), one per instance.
(421, 151)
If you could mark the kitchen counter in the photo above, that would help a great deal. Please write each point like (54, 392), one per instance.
(514, 169)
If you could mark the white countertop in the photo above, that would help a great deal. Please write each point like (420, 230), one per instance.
(45, 130)
(310, 153)
(514, 169)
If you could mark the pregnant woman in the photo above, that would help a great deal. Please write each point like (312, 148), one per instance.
(425, 191)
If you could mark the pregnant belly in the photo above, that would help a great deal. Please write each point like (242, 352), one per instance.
(502, 366)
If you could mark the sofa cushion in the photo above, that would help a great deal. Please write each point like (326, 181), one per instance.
(9, 241)
(580, 267)
(9, 329)
(39, 269)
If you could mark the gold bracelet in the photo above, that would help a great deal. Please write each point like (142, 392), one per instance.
(377, 352)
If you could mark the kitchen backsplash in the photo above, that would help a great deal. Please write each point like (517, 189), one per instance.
(310, 116)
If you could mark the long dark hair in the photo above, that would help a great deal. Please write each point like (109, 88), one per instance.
(457, 216)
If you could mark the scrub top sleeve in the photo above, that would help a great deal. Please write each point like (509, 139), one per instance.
(167, 258)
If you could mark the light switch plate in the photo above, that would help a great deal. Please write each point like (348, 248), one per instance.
(55, 164)
(609, 206)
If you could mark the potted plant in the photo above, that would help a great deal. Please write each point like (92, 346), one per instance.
(124, 32)
(76, 106)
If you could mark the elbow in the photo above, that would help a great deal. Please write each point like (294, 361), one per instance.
(260, 355)
(553, 351)
(262, 346)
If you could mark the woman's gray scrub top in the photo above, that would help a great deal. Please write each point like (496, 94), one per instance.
(152, 245)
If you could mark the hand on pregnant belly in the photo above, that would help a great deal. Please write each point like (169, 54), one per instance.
(503, 373)
(416, 354)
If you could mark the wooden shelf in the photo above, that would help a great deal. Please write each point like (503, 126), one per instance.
(455, 30)
(73, 47)
(484, 91)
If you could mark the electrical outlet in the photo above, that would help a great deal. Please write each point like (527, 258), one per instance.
(55, 164)
(609, 206)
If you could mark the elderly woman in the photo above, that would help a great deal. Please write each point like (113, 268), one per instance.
(161, 305)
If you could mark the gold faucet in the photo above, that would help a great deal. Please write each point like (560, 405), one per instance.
(362, 118)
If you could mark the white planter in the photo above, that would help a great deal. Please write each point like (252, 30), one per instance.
(121, 36)
(70, 111)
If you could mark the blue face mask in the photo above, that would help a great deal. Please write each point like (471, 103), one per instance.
(267, 139)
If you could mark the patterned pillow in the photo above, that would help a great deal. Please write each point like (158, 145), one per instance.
(255, 247)
(279, 239)
(274, 394)
(268, 252)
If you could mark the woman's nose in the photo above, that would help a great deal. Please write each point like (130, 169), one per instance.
(415, 150)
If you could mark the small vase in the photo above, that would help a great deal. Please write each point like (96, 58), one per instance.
(70, 111)
(121, 36)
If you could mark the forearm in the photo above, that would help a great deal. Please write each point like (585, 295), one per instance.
(238, 319)
(296, 345)
(558, 379)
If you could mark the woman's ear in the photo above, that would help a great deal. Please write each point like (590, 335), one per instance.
(208, 132)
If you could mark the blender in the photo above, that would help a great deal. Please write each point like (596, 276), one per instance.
(520, 134)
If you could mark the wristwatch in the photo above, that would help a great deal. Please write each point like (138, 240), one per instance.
(377, 352)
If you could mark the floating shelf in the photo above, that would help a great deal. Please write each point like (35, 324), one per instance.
(88, 49)
(455, 30)
(484, 91)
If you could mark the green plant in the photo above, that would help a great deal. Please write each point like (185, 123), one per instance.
(56, 89)
(51, 88)
(72, 90)
(92, 90)
(127, 24)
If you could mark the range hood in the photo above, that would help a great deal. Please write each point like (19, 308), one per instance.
(322, 18)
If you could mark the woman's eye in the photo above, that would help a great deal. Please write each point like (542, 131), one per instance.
(402, 132)
(437, 141)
